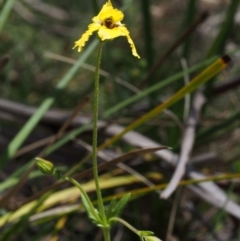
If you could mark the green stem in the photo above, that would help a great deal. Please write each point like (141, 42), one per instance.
(74, 182)
(95, 129)
(106, 233)
(129, 226)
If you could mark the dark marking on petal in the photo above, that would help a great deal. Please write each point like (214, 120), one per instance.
(108, 22)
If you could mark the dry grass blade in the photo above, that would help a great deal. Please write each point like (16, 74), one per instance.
(121, 165)
(50, 117)
(187, 144)
(117, 160)
(102, 167)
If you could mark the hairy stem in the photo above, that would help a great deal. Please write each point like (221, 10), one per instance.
(95, 130)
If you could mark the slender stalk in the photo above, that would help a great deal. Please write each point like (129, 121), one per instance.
(74, 182)
(106, 233)
(129, 226)
(95, 129)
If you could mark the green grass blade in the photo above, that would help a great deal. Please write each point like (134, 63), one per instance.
(147, 26)
(191, 13)
(6, 9)
(218, 45)
(33, 121)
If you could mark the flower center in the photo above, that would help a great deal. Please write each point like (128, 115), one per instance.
(108, 22)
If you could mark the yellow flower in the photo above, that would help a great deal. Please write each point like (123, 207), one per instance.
(109, 26)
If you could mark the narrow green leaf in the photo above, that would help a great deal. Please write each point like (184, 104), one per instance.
(116, 211)
(189, 18)
(122, 203)
(87, 204)
(111, 208)
(226, 28)
(88, 210)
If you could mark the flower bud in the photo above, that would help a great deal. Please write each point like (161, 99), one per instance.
(152, 238)
(45, 166)
(147, 236)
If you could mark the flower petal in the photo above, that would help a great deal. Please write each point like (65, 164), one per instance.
(106, 33)
(108, 11)
(126, 33)
(115, 14)
(81, 42)
(107, 8)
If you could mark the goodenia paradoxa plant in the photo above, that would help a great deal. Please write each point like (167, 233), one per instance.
(109, 26)
(113, 210)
